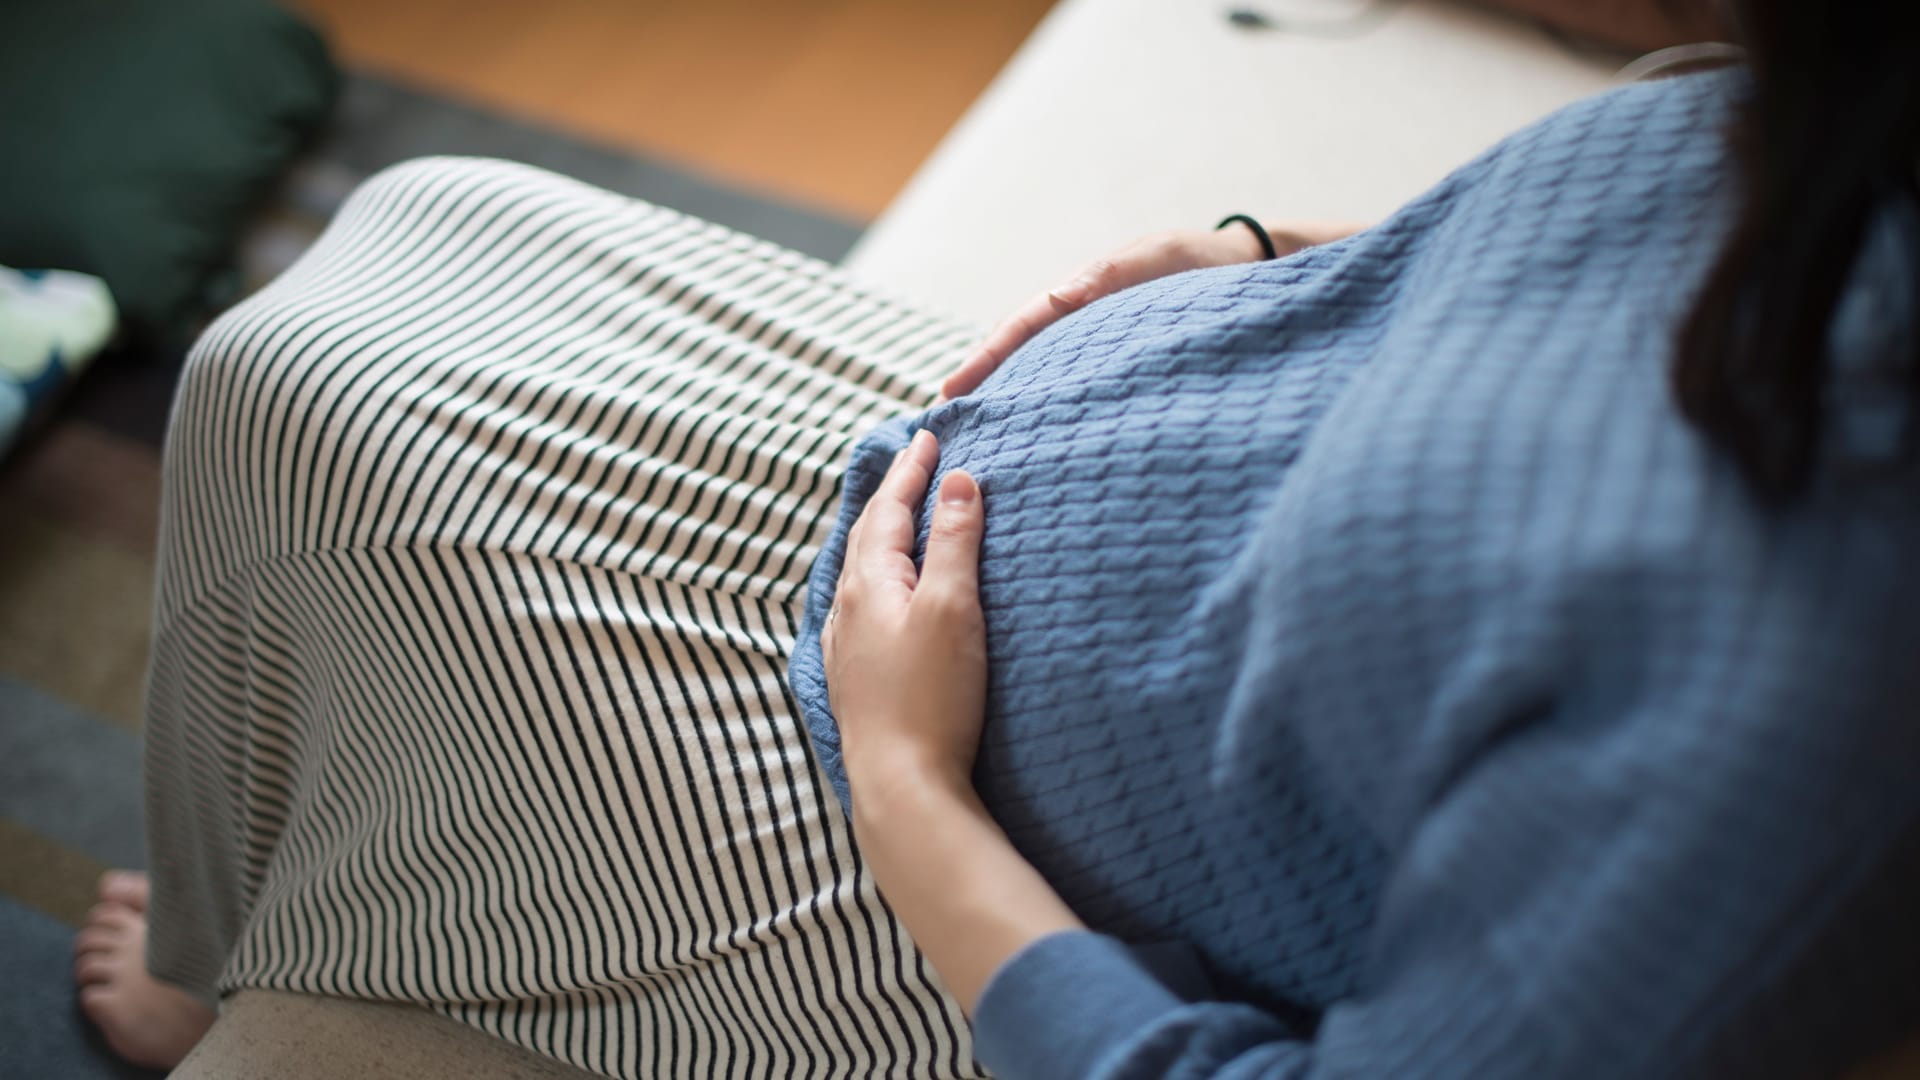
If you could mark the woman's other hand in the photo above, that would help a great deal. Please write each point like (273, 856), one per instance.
(906, 651)
(1143, 260)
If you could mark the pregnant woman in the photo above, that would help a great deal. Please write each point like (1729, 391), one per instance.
(1482, 645)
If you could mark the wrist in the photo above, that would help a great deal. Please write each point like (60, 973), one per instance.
(905, 793)
(947, 869)
(1251, 238)
(1292, 236)
(891, 767)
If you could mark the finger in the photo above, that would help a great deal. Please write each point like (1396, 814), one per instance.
(93, 968)
(125, 887)
(951, 570)
(860, 523)
(875, 510)
(1142, 261)
(109, 913)
(885, 529)
(95, 939)
(1014, 331)
(1101, 277)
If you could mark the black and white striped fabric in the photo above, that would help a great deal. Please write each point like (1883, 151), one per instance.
(485, 532)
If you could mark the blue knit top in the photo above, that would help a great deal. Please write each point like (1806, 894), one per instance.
(1398, 686)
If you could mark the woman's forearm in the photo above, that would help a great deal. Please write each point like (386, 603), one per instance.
(1637, 24)
(951, 875)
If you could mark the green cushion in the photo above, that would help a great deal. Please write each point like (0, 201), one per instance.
(139, 134)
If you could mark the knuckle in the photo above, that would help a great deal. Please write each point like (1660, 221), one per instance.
(939, 600)
(1189, 247)
(951, 525)
(1037, 318)
(1169, 239)
(946, 602)
(1101, 272)
(846, 597)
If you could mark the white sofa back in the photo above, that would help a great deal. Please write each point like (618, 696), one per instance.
(1121, 117)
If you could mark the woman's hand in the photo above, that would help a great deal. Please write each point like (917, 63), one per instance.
(1143, 260)
(906, 660)
(906, 651)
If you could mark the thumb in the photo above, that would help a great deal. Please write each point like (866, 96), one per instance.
(952, 564)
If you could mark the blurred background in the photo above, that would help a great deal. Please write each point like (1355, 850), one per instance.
(826, 104)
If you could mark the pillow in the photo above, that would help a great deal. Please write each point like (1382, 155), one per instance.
(139, 134)
(52, 322)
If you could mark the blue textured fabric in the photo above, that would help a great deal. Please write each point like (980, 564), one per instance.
(1370, 623)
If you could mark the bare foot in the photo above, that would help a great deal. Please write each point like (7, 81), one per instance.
(145, 1021)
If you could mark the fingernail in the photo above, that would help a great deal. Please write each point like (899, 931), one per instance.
(920, 438)
(958, 489)
(1073, 292)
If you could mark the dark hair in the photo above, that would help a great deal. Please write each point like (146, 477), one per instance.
(1829, 133)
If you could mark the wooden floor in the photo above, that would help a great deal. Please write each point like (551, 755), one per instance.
(828, 103)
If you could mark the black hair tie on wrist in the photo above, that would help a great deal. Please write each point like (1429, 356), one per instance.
(1259, 232)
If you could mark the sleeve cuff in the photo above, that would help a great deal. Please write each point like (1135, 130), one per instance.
(1068, 1004)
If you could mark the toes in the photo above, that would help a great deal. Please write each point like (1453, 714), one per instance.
(117, 916)
(97, 939)
(100, 1002)
(126, 887)
(94, 969)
